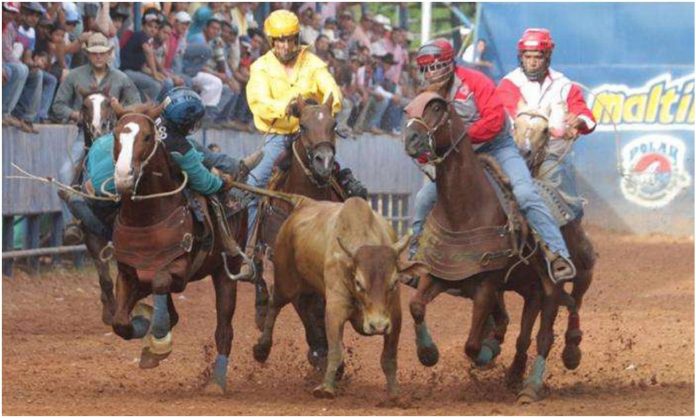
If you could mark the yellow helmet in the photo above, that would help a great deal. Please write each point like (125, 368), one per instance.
(281, 23)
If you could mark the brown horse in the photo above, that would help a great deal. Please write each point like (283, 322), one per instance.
(468, 244)
(311, 174)
(97, 118)
(533, 128)
(160, 247)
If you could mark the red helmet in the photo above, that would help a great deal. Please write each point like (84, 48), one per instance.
(534, 39)
(436, 60)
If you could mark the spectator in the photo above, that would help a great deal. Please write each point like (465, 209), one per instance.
(139, 54)
(321, 48)
(199, 21)
(118, 17)
(14, 71)
(475, 56)
(243, 18)
(330, 29)
(383, 94)
(174, 60)
(27, 107)
(362, 34)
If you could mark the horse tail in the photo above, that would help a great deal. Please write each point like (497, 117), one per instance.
(294, 199)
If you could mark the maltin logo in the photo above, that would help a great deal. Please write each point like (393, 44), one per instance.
(654, 171)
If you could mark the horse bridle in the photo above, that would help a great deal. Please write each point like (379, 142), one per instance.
(309, 152)
(445, 118)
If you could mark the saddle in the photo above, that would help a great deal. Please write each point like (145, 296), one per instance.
(458, 255)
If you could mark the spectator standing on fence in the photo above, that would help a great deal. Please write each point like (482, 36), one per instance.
(14, 71)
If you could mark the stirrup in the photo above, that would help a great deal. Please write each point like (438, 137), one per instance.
(245, 274)
(563, 275)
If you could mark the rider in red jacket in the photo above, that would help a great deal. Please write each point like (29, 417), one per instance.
(474, 98)
(535, 84)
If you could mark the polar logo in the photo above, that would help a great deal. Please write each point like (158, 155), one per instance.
(654, 170)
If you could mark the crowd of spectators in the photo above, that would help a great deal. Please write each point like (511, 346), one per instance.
(206, 46)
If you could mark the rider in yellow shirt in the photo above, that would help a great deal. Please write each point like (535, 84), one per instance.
(275, 81)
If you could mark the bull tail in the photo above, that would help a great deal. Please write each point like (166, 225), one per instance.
(293, 199)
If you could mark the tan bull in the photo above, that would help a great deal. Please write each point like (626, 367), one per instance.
(349, 254)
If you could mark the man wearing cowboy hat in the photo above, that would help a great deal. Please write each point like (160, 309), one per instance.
(68, 102)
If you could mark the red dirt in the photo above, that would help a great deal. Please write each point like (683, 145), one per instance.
(638, 352)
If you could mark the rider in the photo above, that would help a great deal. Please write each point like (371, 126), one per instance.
(276, 79)
(181, 116)
(474, 99)
(540, 86)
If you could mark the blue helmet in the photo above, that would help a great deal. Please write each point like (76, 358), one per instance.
(184, 110)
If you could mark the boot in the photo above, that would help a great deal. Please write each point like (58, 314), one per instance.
(350, 185)
(73, 235)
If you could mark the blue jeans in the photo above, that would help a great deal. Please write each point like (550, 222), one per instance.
(28, 105)
(147, 85)
(378, 110)
(562, 175)
(49, 89)
(65, 175)
(392, 119)
(17, 74)
(273, 146)
(504, 150)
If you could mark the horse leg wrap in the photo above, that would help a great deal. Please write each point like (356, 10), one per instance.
(423, 335)
(142, 316)
(490, 348)
(536, 376)
(220, 370)
(160, 320)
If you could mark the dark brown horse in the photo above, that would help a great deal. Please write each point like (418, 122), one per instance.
(160, 247)
(311, 174)
(468, 232)
(97, 118)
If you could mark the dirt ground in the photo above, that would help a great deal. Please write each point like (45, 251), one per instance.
(638, 352)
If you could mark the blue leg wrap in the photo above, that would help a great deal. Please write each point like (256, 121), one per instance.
(160, 318)
(140, 326)
(489, 350)
(536, 376)
(220, 370)
(423, 335)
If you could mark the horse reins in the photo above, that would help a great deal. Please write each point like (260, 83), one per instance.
(431, 134)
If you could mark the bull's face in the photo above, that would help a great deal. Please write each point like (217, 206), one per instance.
(374, 281)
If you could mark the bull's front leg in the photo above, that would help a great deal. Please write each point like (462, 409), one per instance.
(337, 313)
(390, 349)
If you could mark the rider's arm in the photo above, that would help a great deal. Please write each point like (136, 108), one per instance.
(509, 94)
(259, 95)
(63, 99)
(191, 161)
(490, 109)
(327, 85)
(577, 106)
(219, 160)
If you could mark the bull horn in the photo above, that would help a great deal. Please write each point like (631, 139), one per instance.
(402, 244)
(344, 247)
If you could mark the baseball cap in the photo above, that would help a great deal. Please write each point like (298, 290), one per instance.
(182, 17)
(11, 6)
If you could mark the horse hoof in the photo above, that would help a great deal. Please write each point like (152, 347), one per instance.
(150, 360)
(107, 316)
(324, 392)
(529, 394)
(428, 355)
(571, 356)
(261, 352)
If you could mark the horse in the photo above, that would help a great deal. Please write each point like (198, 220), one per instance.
(469, 243)
(532, 131)
(310, 174)
(97, 118)
(160, 247)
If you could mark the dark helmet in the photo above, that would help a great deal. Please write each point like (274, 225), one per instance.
(184, 109)
(436, 60)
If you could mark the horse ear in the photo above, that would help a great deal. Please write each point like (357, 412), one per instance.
(154, 112)
(118, 108)
(83, 91)
(329, 100)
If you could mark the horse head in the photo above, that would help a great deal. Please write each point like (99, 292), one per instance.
(135, 143)
(428, 128)
(96, 114)
(534, 127)
(318, 135)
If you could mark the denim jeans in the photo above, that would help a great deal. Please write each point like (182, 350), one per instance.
(147, 85)
(392, 117)
(225, 108)
(28, 105)
(562, 175)
(17, 74)
(49, 90)
(504, 150)
(273, 146)
(379, 108)
(65, 175)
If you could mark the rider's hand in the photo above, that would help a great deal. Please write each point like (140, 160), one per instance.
(573, 126)
(226, 181)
